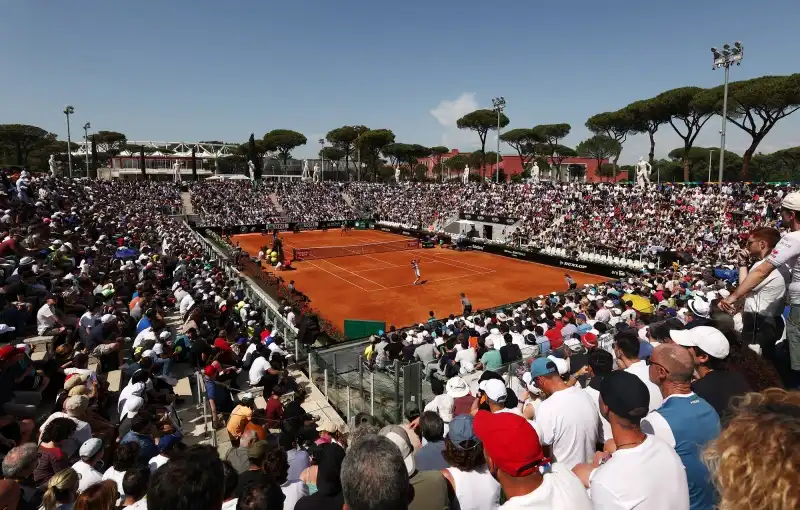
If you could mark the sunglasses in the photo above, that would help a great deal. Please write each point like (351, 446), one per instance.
(649, 362)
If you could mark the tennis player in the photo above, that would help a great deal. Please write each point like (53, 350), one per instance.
(415, 265)
(344, 229)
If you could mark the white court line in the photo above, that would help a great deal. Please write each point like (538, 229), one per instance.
(382, 261)
(354, 274)
(434, 281)
(337, 276)
(375, 269)
(435, 260)
(434, 257)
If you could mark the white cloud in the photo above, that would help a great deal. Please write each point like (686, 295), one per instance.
(447, 113)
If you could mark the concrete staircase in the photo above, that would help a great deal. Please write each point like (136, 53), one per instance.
(276, 203)
(186, 200)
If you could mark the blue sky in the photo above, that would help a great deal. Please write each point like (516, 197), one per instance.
(188, 70)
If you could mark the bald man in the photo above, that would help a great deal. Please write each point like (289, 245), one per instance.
(685, 421)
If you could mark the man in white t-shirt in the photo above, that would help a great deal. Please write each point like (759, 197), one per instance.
(786, 253)
(258, 369)
(626, 350)
(91, 452)
(515, 458)
(567, 419)
(47, 320)
(766, 298)
(644, 471)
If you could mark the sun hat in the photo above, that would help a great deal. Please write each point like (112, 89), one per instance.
(456, 387)
(494, 389)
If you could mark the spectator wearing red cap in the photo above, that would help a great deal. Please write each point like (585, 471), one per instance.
(515, 458)
(644, 471)
(218, 396)
(567, 420)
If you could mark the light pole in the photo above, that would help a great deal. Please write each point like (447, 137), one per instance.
(322, 155)
(710, 153)
(498, 103)
(69, 110)
(86, 145)
(724, 59)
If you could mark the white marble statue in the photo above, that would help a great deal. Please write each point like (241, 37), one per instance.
(251, 169)
(397, 174)
(643, 170)
(317, 174)
(53, 165)
(306, 175)
(176, 171)
(535, 171)
(465, 177)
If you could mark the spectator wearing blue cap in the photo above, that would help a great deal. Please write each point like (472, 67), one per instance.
(472, 486)
(166, 446)
(567, 420)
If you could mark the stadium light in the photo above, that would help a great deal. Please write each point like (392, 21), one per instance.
(725, 58)
(86, 145)
(69, 110)
(498, 103)
(322, 155)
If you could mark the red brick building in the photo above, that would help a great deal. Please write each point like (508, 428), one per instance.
(512, 165)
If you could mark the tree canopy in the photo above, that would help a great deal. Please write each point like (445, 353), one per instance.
(345, 138)
(285, 141)
(614, 125)
(686, 106)
(599, 148)
(482, 121)
(525, 141)
(114, 140)
(552, 134)
(22, 139)
(648, 115)
(755, 106)
(372, 142)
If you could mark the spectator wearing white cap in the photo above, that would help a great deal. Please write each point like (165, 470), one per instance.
(566, 420)
(786, 252)
(715, 383)
(699, 313)
(91, 452)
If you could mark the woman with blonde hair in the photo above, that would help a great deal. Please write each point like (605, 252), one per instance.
(61, 490)
(754, 462)
(101, 496)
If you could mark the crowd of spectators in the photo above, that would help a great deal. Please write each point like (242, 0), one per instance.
(703, 223)
(650, 392)
(234, 202)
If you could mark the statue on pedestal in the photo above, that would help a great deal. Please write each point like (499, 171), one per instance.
(535, 171)
(643, 170)
(306, 175)
(465, 177)
(53, 165)
(176, 171)
(251, 170)
(397, 174)
(317, 174)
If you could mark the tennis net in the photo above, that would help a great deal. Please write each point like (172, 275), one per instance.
(329, 252)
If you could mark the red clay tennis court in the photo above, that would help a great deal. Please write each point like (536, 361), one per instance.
(379, 286)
